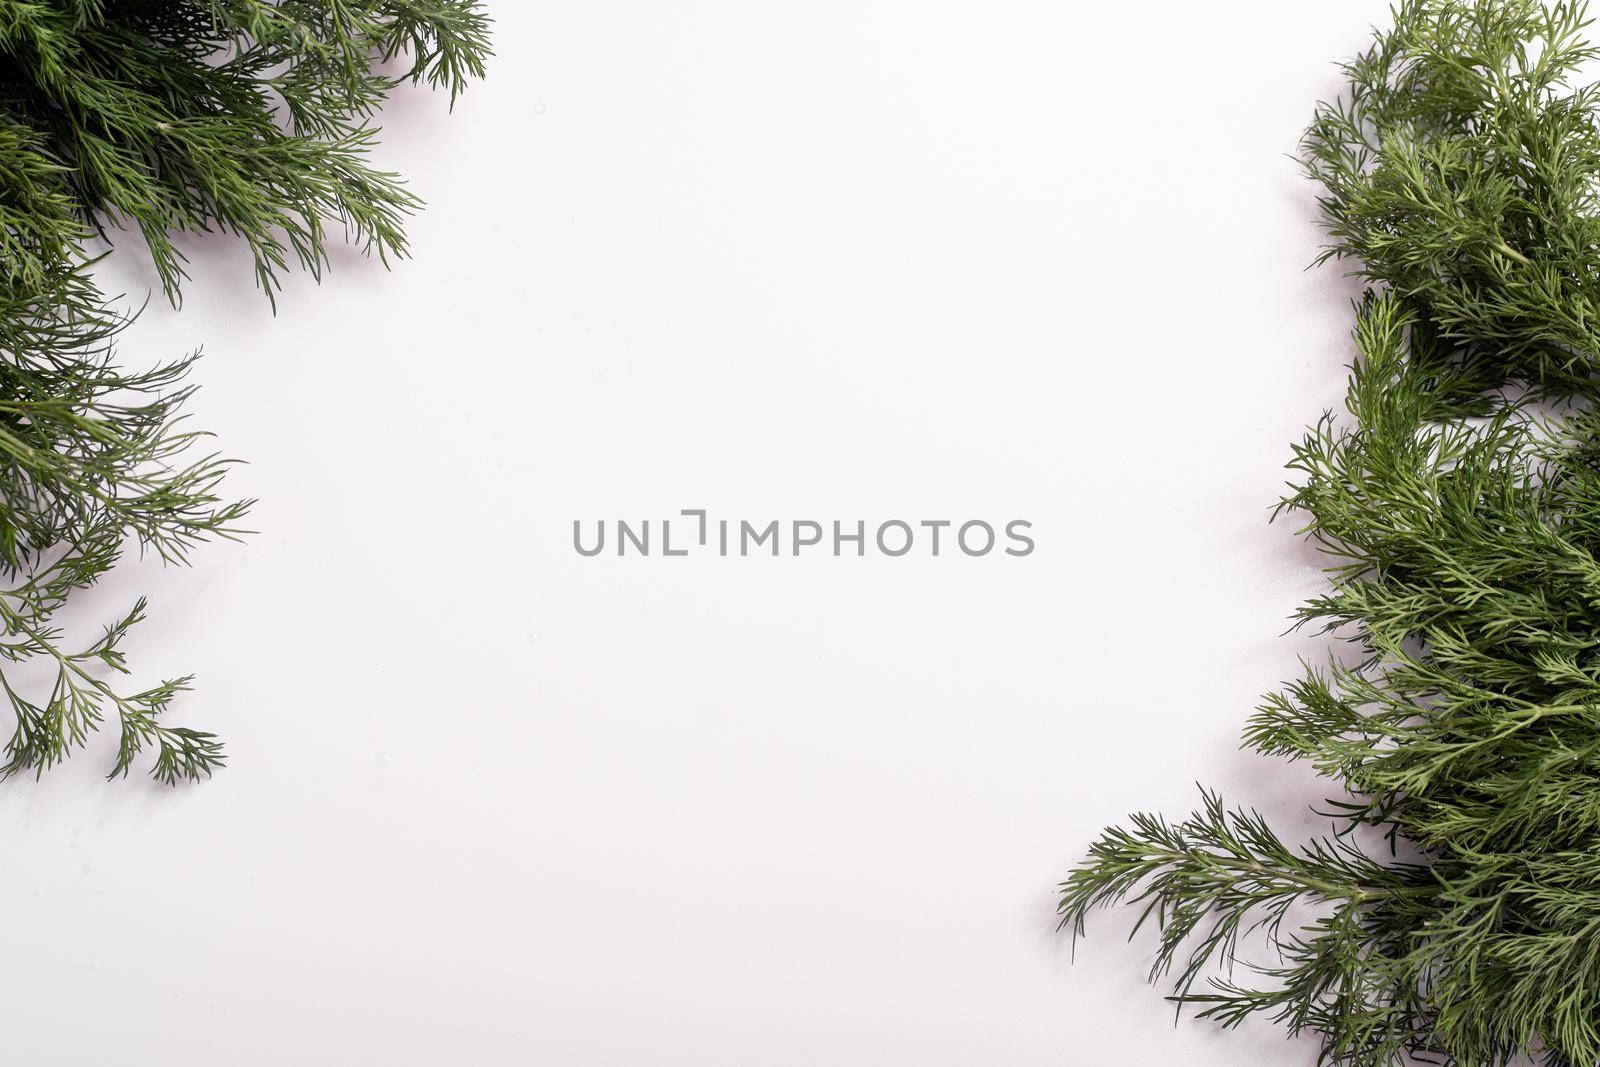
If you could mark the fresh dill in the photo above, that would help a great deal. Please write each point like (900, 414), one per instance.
(1459, 503)
(251, 118)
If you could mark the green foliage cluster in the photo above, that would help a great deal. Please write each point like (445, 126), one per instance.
(1459, 499)
(251, 118)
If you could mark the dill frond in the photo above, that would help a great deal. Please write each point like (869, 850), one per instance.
(1459, 503)
(251, 118)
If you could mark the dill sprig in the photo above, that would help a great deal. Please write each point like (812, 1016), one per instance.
(1459, 501)
(246, 117)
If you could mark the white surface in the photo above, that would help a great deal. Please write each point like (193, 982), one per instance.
(491, 803)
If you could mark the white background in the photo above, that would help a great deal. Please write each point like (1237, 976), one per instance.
(493, 803)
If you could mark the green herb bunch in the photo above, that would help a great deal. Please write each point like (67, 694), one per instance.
(246, 117)
(1453, 912)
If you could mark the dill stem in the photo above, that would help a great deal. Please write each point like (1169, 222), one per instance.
(1326, 889)
(1511, 253)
